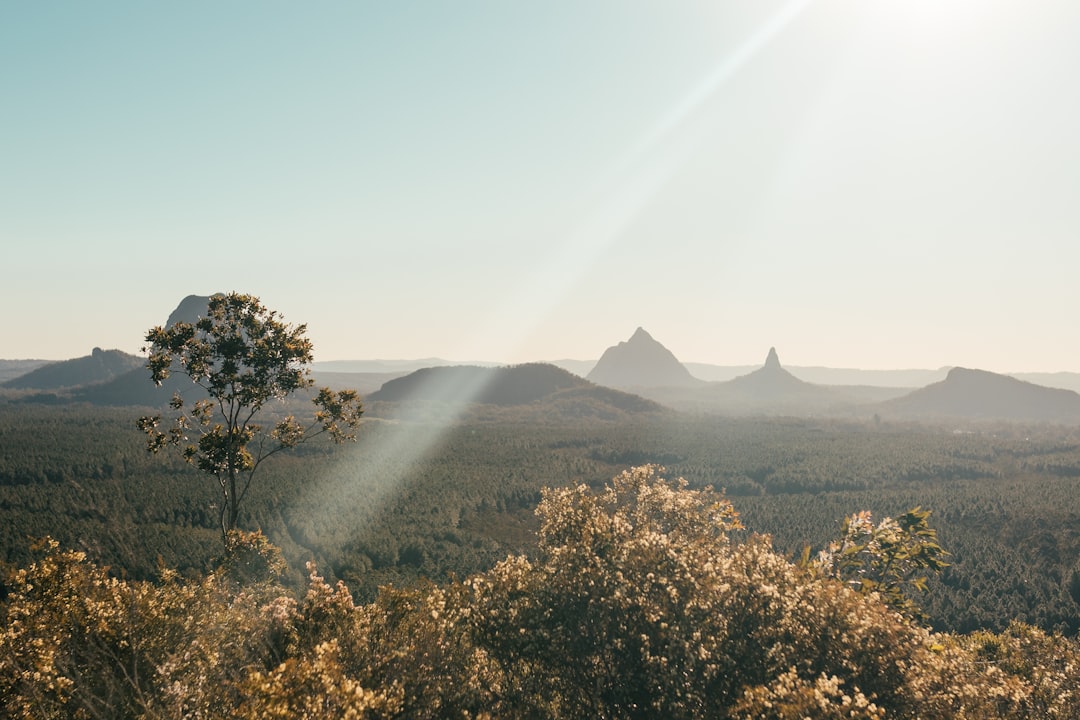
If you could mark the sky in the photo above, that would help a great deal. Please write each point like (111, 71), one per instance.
(859, 183)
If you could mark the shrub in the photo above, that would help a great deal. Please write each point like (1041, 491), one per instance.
(638, 603)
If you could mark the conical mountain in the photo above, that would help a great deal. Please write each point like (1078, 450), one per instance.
(773, 382)
(769, 390)
(640, 362)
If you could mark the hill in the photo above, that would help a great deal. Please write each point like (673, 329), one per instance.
(546, 387)
(640, 362)
(979, 394)
(107, 377)
(99, 366)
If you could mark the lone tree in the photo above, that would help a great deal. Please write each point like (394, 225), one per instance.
(240, 356)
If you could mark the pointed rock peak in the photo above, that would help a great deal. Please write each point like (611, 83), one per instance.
(640, 362)
(773, 361)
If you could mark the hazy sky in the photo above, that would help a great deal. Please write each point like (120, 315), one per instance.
(863, 183)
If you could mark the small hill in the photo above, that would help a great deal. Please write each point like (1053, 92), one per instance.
(97, 367)
(640, 362)
(979, 394)
(533, 384)
(109, 377)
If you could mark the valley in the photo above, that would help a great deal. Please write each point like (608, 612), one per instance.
(415, 499)
(451, 460)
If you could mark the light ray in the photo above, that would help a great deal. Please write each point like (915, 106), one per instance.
(637, 176)
(694, 100)
(623, 192)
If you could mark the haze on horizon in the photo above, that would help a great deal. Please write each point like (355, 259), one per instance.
(859, 183)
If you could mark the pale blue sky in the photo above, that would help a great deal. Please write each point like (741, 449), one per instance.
(861, 183)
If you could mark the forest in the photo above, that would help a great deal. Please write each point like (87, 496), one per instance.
(419, 512)
(413, 500)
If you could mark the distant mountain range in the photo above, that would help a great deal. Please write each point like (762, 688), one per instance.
(772, 390)
(99, 366)
(637, 375)
(107, 377)
(768, 390)
(702, 371)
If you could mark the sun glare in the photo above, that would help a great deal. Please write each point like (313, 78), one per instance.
(626, 189)
(933, 17)
(637, 176)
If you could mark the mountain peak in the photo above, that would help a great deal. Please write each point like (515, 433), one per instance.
(640, 361)
(774, 385)
(773, 360)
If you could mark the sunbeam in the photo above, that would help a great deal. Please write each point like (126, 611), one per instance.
(694, 100)
(622, 193)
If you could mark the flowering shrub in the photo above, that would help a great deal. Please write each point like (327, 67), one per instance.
(75, 642)
(889, 558)
(637, 603)
(790, 697)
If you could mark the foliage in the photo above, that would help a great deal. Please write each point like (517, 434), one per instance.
(640, 602)
(376, 512)
(251, 558)
(616, 587)
(791, 697)
(888, 558)
(665, 617)
(242, 356)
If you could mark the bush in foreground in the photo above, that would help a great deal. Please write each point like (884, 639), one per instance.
(637, 603)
